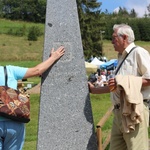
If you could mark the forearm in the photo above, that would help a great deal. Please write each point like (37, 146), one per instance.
(42, 67)
(99, 90)
(145, 82)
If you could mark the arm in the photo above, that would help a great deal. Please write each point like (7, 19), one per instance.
(98, 90)
(42, 67)
(145, 82)
(106, 89)
(113, 85)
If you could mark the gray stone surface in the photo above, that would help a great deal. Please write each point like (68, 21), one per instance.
(65, 118)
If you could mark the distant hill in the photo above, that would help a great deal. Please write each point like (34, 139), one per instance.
(18, 48)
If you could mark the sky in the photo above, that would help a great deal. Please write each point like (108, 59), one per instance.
(140, 6)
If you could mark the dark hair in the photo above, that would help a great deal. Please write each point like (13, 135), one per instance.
(92, 78)
(98, 70)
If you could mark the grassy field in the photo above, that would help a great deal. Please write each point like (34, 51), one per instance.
(99, 106)
(19, 51)
(32, 126)
(19, 48)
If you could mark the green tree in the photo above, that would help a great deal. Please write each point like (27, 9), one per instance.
(89, 18)
(134, 24)
(133, 13)
(144, 29)
(123, 12)
(27, 10)
(148, 8)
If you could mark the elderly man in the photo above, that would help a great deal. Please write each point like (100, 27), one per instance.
(133, 61)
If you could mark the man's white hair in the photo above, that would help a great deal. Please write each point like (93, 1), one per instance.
(124, 29)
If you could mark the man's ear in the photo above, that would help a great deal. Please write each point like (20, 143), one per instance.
(124, 37)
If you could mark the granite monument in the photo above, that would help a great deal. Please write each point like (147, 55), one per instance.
(65, 117)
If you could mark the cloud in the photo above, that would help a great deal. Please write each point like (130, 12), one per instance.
(116, 10)
(140, 6)
(140, 11)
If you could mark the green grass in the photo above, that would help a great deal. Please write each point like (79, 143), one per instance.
(19, 48)
(32, 126)
(7, 25)
(20, 63)
(13, 48)
(16, 48)
(100, 104)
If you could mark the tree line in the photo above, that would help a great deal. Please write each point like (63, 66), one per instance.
(95, 25)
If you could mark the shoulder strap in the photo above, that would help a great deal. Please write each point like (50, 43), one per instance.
(6, 77)
(124, 60)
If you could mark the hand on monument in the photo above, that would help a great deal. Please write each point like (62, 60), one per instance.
(58, 53)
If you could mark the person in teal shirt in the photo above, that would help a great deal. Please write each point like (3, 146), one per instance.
(12, 133)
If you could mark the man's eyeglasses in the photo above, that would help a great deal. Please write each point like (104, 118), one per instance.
(115, 36)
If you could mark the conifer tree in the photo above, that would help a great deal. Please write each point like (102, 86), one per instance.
(89, 18)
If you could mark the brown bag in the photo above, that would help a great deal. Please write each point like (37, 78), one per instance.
(14, 104)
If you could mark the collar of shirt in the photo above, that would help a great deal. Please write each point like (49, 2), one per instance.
(127, 50)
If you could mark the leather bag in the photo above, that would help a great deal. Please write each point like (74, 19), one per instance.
(14, 104)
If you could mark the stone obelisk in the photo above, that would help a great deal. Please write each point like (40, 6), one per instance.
(65, 117)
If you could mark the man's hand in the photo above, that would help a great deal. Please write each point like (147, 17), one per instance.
(112, 84)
